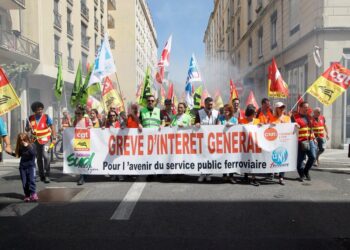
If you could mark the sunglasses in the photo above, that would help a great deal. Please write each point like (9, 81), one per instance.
(78, 113)
(150, 100)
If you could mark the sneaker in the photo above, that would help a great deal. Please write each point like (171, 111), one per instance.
(255, 183)
(113, 178)
(301, 179)
(34, 197)
(47, 179)
(232, 180)
(121, 178)
(208, 178)
(81, 181)
(307, 177)
(26, 199)
(281, 182)
(201, 178)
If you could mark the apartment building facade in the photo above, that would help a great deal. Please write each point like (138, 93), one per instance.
(251, 32)
(41, 33)
(134, 44)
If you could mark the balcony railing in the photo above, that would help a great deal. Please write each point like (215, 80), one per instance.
(70, 64)
(85, 42)
(110, 20)
(84, 11)
(70, 30)
(57, 20)
(21, 3)
(70, 2)
(111, 5)
(19, 44)
(58, 56)
(102, 6)
(96, 24)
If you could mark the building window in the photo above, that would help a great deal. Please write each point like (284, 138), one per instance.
(274, 30)
(84, 61)
(57, 43)
(250, 52)
(55, 6)
(238, 29)
(249, 12)
(296, 73)
(233, 38)
(57, 49)
(260, 42)
(293, 17)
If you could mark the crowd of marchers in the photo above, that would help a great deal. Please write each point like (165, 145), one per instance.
(33, 146)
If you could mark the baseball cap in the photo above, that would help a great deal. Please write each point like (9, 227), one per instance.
(279, 105)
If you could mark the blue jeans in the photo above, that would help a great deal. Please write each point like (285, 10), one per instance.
(311, 154)
(28, 180)
(321, 142)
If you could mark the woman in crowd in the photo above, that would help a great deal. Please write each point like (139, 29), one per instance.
(96, 123)
(280, 117)
(181, 119)
(249, 118)
(228, 120)
(112, 120)
(81, 121)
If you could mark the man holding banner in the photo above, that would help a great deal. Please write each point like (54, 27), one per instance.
(207, 116)
(306, 143)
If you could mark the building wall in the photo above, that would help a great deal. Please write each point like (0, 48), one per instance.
(36, 23)
(135, 44)
(299, 28)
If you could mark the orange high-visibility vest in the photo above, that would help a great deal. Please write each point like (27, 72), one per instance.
(265, 119)
(305, 132)
(42, 132)
(318, 126)
(282, 119)
(245, 121)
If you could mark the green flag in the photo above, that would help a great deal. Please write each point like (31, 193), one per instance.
(85, 90)
(197, 97)
(146, 90)
(59, 81)
(78, 82)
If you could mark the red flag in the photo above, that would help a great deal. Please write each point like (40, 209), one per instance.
(233, 90)
(170, 91)
(251, 100)
(277, 87)
(164, 61)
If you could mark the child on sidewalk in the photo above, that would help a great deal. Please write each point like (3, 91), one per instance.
(27, 152)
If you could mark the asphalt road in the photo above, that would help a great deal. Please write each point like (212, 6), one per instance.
(177, 213)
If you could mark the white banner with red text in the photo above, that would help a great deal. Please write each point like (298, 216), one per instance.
(206, 150)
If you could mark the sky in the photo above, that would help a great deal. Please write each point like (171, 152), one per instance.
(186, 20)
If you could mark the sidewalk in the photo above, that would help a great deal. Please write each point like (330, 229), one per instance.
(335, 158)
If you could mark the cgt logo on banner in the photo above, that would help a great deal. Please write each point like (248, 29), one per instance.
(279, 157)
(270, 134)
(81, 157)
(81, 140)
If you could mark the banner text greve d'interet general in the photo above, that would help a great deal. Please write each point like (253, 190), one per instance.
(208, 150)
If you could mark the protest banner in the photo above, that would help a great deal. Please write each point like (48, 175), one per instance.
(207, 150)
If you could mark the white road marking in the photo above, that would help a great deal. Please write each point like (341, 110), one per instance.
(17, 209)
(335, 169)
(2, 173)
(126, 207)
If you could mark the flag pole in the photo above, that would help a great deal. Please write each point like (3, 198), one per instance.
(120, 92)
(301, 97)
